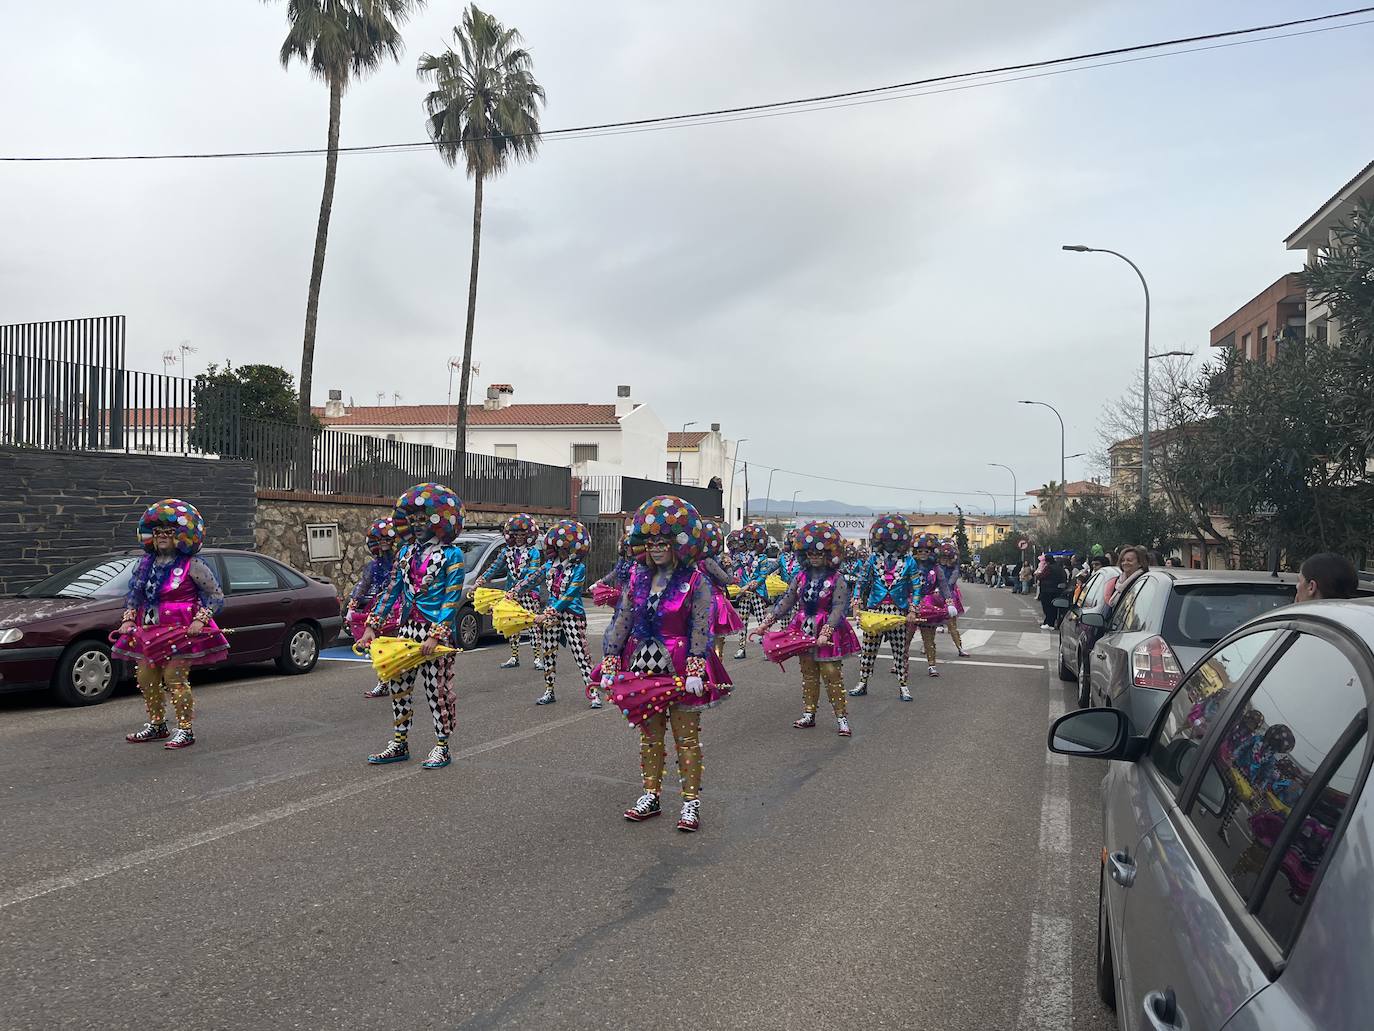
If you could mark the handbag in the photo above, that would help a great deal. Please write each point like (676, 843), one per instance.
(641, 696)
(781, 645)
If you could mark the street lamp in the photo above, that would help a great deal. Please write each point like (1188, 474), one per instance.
(1145, 398)
(682, 443)
(994, 501)
(1014, 494)
(733, 466)
(1045, 404)
(794, 502)
(768, 495)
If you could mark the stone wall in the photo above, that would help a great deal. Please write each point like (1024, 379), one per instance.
(59, 507)
(282, 518)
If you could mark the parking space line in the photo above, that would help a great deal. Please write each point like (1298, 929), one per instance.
(104, 868)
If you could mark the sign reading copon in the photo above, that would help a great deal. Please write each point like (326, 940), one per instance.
(851, 527)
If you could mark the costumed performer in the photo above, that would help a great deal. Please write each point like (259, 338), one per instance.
(948, 555)
(725, 620)
(887, 586)
(382, 539)
(752, 576)
(517, 559)
(563, 574)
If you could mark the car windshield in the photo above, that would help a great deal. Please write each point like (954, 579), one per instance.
(105, 577)
(1202, 616)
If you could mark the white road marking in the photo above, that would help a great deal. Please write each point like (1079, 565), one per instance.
(1001, 665)
(105, 867)
(1046, 993)
(975, 639)
(990, 611)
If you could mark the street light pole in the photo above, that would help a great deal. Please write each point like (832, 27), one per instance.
(794, 502)
(994, 501)
(768, 498)
(1015, 494)
(1145, 402)
(1062, 444)
(733, 466)
(682, 443)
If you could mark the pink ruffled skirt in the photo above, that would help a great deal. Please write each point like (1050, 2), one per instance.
(843, 640)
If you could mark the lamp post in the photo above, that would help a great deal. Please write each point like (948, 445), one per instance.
(794, 502)
(734, 464)
(1145, 399)
(682, 443)
(1014, 493)
(994, 501)
(1046, 404)
(768, 495)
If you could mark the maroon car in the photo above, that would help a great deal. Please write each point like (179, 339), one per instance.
(55, 634)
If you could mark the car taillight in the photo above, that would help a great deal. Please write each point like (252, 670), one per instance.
(1154, 664)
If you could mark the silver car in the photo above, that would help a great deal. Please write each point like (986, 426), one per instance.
(1237, 879)
(1164, 623)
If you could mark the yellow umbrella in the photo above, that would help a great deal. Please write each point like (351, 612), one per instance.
(393, 656)
(510, 618)
(776, 585)
(483, 598)
(732, 590)
(875, 623)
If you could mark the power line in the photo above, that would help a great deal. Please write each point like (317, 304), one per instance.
(863, 483)
(873, 94)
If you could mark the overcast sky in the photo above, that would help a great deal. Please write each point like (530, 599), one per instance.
(862, 293)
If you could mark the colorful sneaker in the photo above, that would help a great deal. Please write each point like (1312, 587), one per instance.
(378, 691)
(859, 690)
(741, 653)
(645, 808)
(690, 820)
(438, 758)
(932, 671)
(148, 732)
(511, 663)
(396, 752)
(596, 700)
(807, 721)
(546, 698)
(843, 722)
(181, 739)
(903, 694)
(963, 654)
(539, 665)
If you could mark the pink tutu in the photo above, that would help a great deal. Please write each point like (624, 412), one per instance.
(725, 621)
(357, 624)
(958, 598)
(843, 640)
(159, 645)
(718, 683)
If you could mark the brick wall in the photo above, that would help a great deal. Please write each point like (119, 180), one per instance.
(58, 507)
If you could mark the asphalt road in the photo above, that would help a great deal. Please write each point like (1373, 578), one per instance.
(936, 870)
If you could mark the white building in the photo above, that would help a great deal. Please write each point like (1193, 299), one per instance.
(624, 438)
(705, 459)
(1316, 233)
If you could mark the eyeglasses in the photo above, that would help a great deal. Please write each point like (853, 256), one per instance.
(658, 544)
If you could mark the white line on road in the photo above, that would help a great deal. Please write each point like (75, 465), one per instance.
(990, 611)
(1002, 665)
(1046, 995)
(106, 867)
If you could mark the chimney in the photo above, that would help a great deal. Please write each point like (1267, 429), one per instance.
(623, 405)
(498, 397)
(334, 407)
(715, 427)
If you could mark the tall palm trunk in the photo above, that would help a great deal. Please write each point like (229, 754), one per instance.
(312, 304)
(460, 445)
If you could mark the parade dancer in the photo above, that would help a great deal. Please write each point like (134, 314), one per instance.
(932, 585)
(563, 574)
(789, 562)
(662, 626)
(850, 567)
(382, 539)
(725, 620)
(170, 587)
(754, 567)
(818, 602)
(424, 594)
(948, 555)
(619, 574)
(887, 585)
(517, 559)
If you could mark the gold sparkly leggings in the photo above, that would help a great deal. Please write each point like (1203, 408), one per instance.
(687, 739)
(928, 643)
(953, 625)
(174, 679)
(813, 673)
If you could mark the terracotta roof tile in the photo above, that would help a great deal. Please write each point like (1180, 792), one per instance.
(446, 415)
(681, 441)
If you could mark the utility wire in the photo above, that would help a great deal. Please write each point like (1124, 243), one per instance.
(825, 101)
(862, 483)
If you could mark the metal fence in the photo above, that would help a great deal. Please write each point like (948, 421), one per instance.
(96, 341)
(350, 463)
(608, 494)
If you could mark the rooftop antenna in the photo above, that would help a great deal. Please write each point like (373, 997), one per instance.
(395, 398)
(185, 348)
(169, 358)
(381, 396)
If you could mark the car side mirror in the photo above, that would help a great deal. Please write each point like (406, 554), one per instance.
(1062, 603)
(1094, 619)
(1091, 734)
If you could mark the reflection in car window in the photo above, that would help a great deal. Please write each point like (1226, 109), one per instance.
(1204, 615)
(97, 578)
(1144, 600)
(244, 574)
(1126, 606)
(1264, 762)
(1194, 707)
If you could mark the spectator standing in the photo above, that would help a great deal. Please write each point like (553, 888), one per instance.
(1327, 575)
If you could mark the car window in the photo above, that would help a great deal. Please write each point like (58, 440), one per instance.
(1122, 611)
(244, 574)
(106, 577)
(1202, 616)
(1092, 595)
(1265, 760)
(288, 576)
(1195, 705)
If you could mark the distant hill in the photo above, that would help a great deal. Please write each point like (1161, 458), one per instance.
(757, 507)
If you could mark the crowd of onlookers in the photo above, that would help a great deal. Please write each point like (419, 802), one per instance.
(1053, 576)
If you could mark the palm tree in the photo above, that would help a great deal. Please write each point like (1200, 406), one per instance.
(484, 112)
(339, 41)
(1052, 500)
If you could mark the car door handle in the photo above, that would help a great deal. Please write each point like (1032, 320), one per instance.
(1100, 655)
(1162, 1012)
(1122, 868)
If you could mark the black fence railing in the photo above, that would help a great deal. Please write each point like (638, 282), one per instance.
(599, 495)
(351, 463)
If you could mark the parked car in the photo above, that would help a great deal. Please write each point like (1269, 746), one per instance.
(55, 633)
(1076, 638)
(1235, 888)
(1165, 623)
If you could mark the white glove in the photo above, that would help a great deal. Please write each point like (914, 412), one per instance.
(953, 612)
(696, 686)
(607, 682)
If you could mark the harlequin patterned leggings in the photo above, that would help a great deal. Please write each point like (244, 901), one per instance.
(813, 672)
(535, 645)
(571, 628)
(900, 641)
(686, 725)
(173, 679)
(750, 608)
(436, 677)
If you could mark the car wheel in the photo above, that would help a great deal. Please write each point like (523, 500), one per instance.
(85, 674)
(1085, 684)
(300, 650)
(469, 629)
(1065, 673)
(1106, 966)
